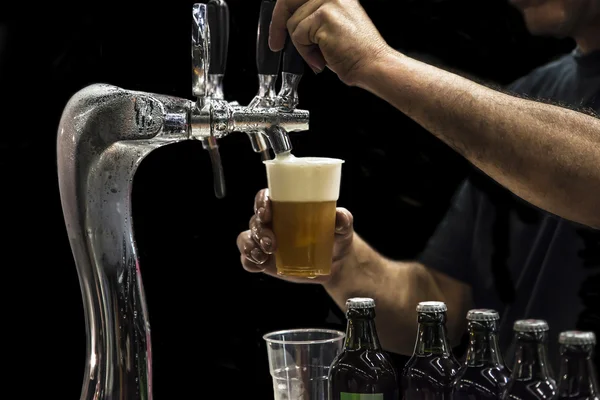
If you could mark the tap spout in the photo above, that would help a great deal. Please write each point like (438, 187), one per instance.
(272, 123)
(279, 139)
(104, 134)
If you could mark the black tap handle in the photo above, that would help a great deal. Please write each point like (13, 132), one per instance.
(267, 61)
(218, 23)
(292, 60)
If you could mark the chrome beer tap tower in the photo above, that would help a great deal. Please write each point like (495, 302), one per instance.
(104, 134)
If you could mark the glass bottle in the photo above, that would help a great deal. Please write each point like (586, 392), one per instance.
(363, 370)
(577, 377)
(531, 376)
(429, 373)
(483, 374)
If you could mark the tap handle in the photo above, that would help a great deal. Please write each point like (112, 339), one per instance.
(200, 50)
(218, 22)
(293, 62)
(293, 68)
(267, 61)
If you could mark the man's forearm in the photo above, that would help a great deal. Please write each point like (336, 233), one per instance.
(545, 154)
(397, 287)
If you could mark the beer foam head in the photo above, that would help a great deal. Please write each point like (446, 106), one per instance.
(304, 178)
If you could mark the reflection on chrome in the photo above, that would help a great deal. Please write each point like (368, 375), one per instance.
(105, 132)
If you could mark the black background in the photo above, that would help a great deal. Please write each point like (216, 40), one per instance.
(207, 314)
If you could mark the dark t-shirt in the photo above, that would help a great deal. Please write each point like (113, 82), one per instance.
(518, 259)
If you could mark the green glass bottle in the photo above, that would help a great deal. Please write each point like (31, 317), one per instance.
(363, 370)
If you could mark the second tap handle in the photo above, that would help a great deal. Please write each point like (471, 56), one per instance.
(293, 62)
(218, 22)
(200, 50)
(267, 61)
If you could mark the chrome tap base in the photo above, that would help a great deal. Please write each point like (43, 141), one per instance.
(104, 134)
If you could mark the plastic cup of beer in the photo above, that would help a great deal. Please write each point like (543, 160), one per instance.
(299, 362)
(303, 192)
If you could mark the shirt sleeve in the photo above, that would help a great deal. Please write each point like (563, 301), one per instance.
(449, 249)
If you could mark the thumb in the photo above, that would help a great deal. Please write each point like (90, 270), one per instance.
(344, 221)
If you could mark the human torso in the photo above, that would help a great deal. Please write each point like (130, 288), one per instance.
(538, 265)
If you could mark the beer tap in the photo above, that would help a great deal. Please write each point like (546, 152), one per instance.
(287, 99)
(213, 117)
(104, 134)
(267, 63)
(218, 42)
(218, 24)
(293, 69)
(267, 66)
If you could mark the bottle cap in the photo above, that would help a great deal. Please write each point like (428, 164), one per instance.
(431, 306)
(481, 314)
(577, 338)
(360, 302)
(530, 325)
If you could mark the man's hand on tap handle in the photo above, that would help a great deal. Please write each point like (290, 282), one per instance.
(257, 245)
(337, 34)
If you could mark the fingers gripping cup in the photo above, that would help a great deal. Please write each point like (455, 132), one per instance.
(303, 192)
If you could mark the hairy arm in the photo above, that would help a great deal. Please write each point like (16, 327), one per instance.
(547, 155)
(397, 288)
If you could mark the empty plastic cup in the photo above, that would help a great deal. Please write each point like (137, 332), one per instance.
(299, 361)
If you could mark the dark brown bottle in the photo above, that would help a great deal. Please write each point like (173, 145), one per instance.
(577, 377)
(429, 373)
(483, 375)
(362, 371)
(531, 377)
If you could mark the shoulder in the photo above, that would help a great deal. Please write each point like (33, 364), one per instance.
(540, 76)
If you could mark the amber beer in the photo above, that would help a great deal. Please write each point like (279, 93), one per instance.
(304, 193)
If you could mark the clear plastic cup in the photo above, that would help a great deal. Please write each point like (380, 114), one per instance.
(304, 193)
(299, 361)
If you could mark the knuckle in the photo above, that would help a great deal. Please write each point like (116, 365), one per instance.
(240, 240)
(258, 256)
(256, 229)
(328, 11)
(248, 245)
(350, 217)
(256, 201)
(346, 3)
(322, 16)
(290, 24)
(297, 36)
(320, 36)
(259, 199)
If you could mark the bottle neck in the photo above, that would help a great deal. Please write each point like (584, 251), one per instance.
(483, 344)
(361, 333)
(531, 359)
(431, 335)
(577, 372)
